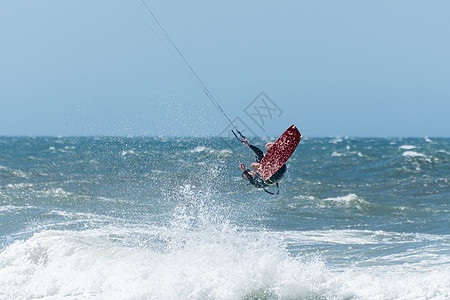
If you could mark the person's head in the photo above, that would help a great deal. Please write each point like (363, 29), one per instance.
(269, 145)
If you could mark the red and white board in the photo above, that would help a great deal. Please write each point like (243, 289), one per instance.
(279, 153)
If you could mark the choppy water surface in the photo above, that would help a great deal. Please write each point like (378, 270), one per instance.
(144, 218)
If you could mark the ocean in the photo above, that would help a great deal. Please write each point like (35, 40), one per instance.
(156, 218)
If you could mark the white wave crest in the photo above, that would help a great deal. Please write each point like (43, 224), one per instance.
(222, 264)
(413, 154)
(407, 147)
(348, 201)
(194, 265)
(14, 172)
(337, 154)
(128, 152)
(198, 149)
(201, 149)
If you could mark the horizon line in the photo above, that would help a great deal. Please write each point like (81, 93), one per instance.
(217, 136)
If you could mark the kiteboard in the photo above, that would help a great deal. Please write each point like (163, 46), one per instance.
(279, 153)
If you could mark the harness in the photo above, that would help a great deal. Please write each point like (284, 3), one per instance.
(271, 192)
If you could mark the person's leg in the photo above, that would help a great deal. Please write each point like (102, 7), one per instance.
(255, 166)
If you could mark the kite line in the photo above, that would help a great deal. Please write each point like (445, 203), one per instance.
(142, 8)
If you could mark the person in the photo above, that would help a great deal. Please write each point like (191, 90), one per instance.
(252, 175)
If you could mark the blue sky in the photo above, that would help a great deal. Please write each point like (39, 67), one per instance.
(334, 68)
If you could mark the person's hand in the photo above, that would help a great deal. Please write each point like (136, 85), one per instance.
(245, 142)
(242, 166)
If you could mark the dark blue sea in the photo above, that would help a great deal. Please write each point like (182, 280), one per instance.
(154, 218)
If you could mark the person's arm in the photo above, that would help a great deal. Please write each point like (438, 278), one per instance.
(258, 153)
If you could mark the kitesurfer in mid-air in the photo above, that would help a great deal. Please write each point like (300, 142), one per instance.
(252, 175)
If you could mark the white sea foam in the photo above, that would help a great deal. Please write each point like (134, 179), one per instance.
(357, 153)
(354, 237)
(16, 173)
(198, 149)
(225, 152)
(21, 185)
(397, 282)
(13, 208)
(56, 192)
(336, 140)
(210, 264)
(413, 154)
(407, 147)
(443, 151)
(337, 154)
(201, 149)
(224, 265)
(360, 237)
(128, 152)
(348, 201)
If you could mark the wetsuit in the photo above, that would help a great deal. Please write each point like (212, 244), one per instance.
(258, 181)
